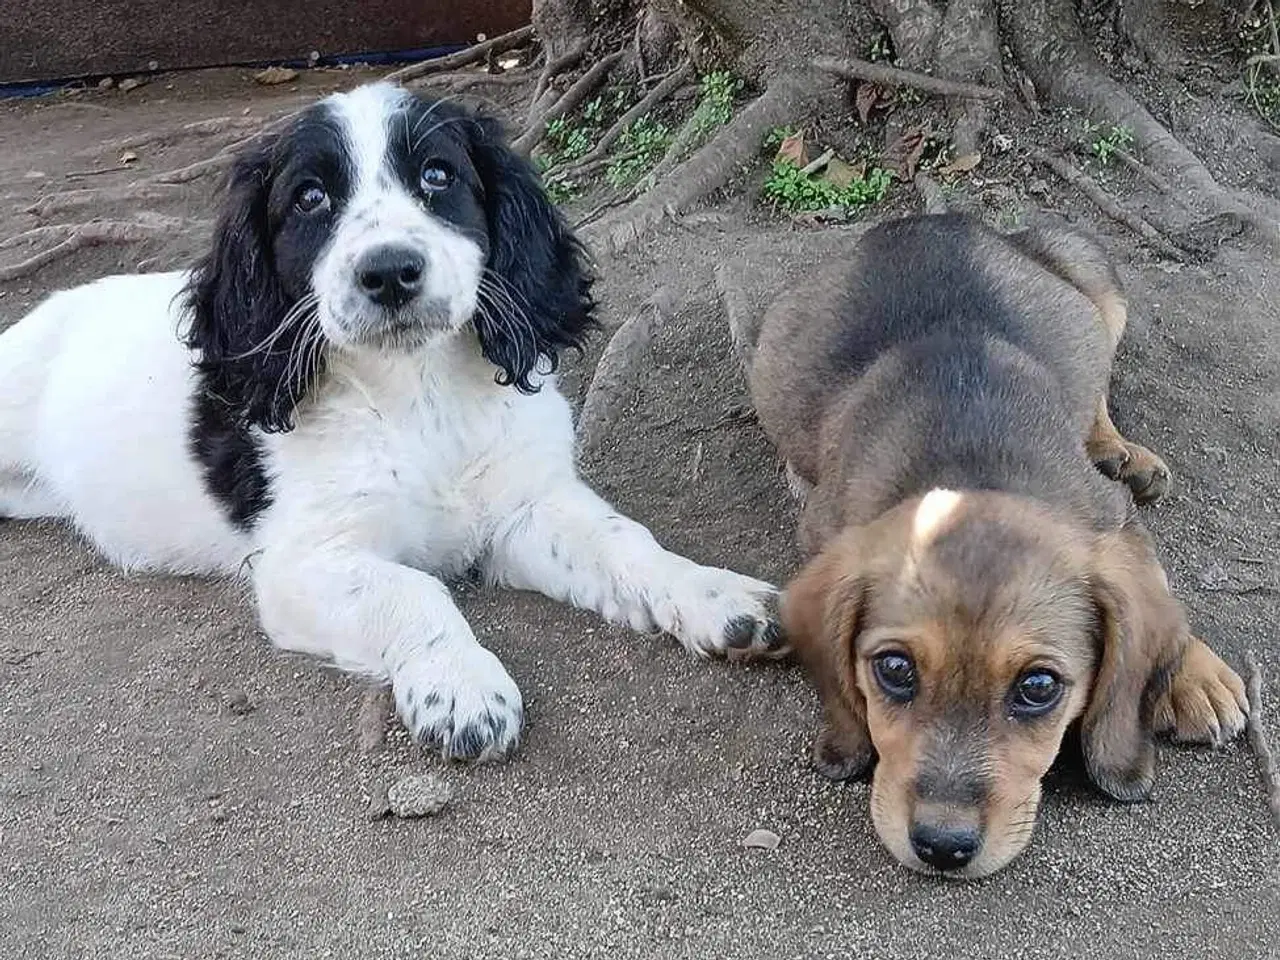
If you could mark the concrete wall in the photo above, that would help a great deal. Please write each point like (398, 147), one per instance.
(53, 39)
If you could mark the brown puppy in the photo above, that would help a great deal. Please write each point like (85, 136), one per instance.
(940, 398)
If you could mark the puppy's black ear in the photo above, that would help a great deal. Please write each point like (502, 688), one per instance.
(249, 340)
(535, 299)
(1143, 633)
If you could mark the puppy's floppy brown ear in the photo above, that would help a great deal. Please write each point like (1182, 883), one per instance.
(1143, 633)
(820, 612)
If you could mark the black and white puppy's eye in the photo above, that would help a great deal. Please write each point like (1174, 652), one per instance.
(895, 674)
(436, 175)
(312, 197)
(1035, 693)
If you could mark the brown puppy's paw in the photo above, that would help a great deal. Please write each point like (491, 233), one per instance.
(1205, 702)
(842, 754)
(1132, 464)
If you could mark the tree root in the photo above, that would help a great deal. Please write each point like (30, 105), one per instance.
(930, 193)
(672, 82)
(582, 88)
(1049, 43)
(473, 54)
(913, 25)
(744, 323)
(566, 61)
(1073, 175)
(91, 234)
(1257, 733)
(884, 76)
(617, 373)
(711, 167)
(195, 130)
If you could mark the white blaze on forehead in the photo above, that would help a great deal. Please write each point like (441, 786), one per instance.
(366, 116)
(934, 510)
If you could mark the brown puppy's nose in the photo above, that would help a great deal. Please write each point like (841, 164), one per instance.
(945, 848)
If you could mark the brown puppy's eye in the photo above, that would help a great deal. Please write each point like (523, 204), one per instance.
(1035, 693)
(896, 675)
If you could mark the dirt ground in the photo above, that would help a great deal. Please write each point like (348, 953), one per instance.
(170, 786)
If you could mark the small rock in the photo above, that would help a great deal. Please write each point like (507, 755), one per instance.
(128, 157)
(153, 65)
(106, 83)
(131, 83)
(419, 796)
(273, 75)
(761, 840)
(34, 175)
(379, 801)
(218, 815)
(240, 704)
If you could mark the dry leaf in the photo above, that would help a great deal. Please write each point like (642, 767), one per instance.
(761, 840)
(868, 97)
(274, 75)
(904, 153)
(840, 174)
(962, 164)
(793, 150)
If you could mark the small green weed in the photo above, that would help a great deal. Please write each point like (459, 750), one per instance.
(562, 189)
(1104, 142)
(718, 90)
(790, 189)
(1261, 85)
(881, 49)
(642, 145)
(773, 139)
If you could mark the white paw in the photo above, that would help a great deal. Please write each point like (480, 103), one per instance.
(460, 699)
(719, 612)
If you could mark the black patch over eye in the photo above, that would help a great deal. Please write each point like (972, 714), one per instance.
(1035, 693)
(896, 675)
(436, 175)
(311, 197)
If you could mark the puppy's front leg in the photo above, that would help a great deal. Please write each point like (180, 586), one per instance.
(573, 546)
(373, 616)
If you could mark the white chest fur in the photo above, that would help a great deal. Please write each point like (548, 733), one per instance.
(416, 457)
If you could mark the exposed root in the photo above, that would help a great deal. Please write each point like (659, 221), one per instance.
(914, 26)
(465, 79)
(92, 234)
(1048, 41)
(1256, 730)
(566, 61)
(195, 130)
(65, 200)
(672, 82)
(463, 58)
(930, 193)
(158, 187)
(1073, 175)
(744, 323)
(582, 88)
(202, 168)
(711, 167)
(885, 76)
(618, 372)
(969, 49)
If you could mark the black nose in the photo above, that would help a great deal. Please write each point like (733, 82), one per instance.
(944, 847)
(391, 276)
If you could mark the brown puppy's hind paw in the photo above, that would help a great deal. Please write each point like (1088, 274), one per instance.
(1143, 472)
(1205, 702)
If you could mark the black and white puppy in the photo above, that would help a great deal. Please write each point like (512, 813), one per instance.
(354, 393)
